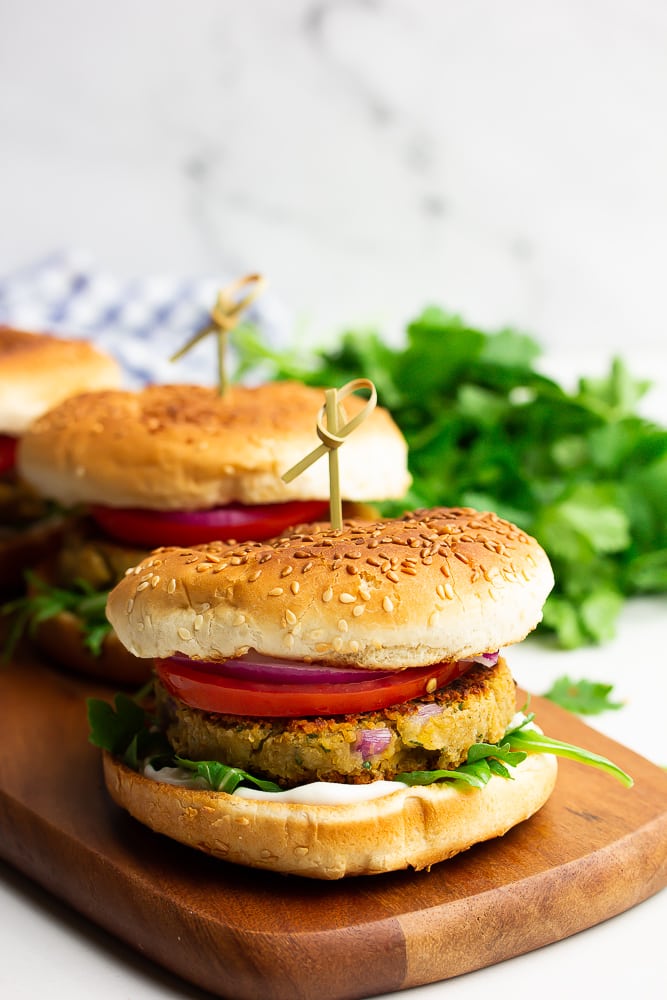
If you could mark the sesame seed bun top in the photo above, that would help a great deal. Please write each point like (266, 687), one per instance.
(185, 447)
(38, 370)
(434, 585)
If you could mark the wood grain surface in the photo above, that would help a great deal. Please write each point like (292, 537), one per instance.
(594, 850)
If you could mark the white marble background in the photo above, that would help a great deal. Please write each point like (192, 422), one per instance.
(507, 160)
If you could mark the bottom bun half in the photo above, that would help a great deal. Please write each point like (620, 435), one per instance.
(61, 639)
(412, 828)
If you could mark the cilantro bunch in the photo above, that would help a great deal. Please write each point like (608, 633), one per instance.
(580, 470)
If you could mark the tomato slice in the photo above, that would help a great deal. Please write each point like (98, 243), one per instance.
(214, 691)
(7, 452)
(151, 528)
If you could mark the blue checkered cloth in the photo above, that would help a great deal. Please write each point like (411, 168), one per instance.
(141, 321)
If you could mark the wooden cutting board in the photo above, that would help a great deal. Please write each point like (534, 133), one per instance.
(593, 851)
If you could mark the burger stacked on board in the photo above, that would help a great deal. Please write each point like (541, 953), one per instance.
(333, 702)
(178, 465)
(37, 371)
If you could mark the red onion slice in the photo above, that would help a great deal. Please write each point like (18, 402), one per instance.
(256, 667)
(486, 659)
(372, 741)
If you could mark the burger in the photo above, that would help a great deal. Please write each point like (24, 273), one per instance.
(37, 371)
(333, 702)
(179, 465)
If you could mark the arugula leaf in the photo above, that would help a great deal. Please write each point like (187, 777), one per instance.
(483, 761)
(583, 697)
(127, 730)
(520, 740)
(531, 741)
(580, 470)
(47, 600)
(222, 777)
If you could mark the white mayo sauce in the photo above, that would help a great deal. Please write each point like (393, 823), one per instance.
(317, 793)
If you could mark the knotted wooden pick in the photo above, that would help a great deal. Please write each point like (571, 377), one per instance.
(225, 315)
(332, 436)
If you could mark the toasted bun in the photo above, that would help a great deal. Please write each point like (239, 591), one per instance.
(38, 371)
(414, 827)
(435, 585)
(175, 447)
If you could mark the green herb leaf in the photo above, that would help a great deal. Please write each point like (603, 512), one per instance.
(46, 601)
(583, 697)
(531, 741)
(580, 470)
(223, 778)
(114, 728)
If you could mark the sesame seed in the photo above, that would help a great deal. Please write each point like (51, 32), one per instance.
(254, 576)
(265, 557)
(352, 569)
(449, 592)
(364, 594)
(388, 604)
(358, 610)
(327, 595)
(347, 598)
(155, 581)
(130, 605)
(184, 633)
(354, 646)
(171, 586)
(433, 619)
(295, 586)
(203, 567)
(142, 586)
(308, 566)
(276, 592)
(374, 561)
(440, 591)
(391, 575)
(198, 622)
(324, 647)
(290, 617)
(431, 685)
(130, 571)
(286, 570)
(342, 625)
(337, 644)
(386, 565)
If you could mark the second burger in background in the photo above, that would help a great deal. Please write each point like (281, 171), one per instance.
(37, 371)
(181, 465)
